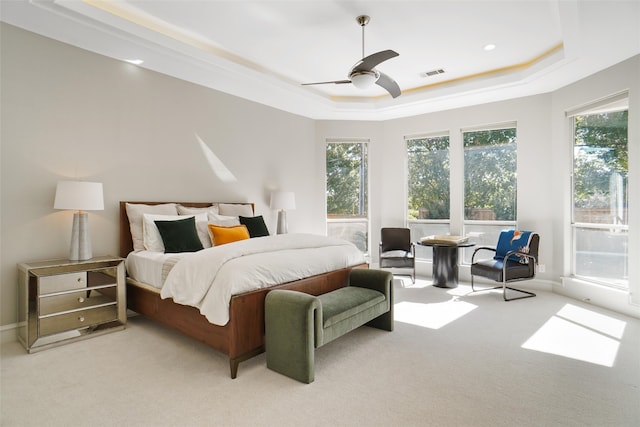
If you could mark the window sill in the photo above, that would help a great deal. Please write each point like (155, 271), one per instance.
(593, 293)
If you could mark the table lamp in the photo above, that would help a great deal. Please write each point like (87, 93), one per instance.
(79, 196)
(281, 201)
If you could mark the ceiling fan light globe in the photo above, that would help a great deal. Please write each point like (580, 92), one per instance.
(364, 80)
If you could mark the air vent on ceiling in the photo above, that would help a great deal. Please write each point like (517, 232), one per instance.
(433, 72)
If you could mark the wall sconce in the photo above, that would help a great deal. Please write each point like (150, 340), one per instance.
(281, 201)
(79, 196)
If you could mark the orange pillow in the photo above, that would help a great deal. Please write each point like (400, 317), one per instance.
(221, 235)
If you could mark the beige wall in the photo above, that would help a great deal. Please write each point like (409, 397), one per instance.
(70, 113)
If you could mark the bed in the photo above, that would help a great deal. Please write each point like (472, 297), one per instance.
(242, 337)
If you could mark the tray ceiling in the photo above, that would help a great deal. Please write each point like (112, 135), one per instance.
(265, 50)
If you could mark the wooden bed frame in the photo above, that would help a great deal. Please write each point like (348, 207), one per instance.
(243, 336)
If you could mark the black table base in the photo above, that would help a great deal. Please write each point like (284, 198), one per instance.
(445, 266)
(445, 263)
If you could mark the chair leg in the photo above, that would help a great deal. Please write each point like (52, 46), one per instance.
(504, 293)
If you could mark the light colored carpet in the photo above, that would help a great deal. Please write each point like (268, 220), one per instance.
(454, 359)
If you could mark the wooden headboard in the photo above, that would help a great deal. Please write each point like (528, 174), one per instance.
(126, 242)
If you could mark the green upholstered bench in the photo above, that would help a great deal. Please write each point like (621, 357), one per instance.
(297, 323)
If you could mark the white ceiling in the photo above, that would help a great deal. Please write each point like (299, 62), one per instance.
(264, 50)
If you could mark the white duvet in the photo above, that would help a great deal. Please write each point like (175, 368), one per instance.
(208, 278)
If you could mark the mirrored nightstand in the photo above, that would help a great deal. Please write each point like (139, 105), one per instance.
(60, 301)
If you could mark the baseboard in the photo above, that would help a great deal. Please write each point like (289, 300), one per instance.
(8, 333)
(602, 296)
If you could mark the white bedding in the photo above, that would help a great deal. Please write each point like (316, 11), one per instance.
(208, 278)
(150, 267)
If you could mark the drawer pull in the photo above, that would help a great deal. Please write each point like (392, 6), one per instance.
(79, 279)
(81, 318)
(81, 299)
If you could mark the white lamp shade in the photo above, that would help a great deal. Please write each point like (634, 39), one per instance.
(283, 200)
(79, 195)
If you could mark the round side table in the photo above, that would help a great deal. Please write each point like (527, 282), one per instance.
(445, 263)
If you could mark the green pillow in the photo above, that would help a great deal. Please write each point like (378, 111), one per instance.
(255, 225)
(179, 235)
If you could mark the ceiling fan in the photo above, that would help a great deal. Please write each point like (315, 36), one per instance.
(363, 74)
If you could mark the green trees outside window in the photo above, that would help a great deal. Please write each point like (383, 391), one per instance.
(428, 180)
(346, 179)
(347, 192)
(600, 197)
(600, 168)
(490, 174)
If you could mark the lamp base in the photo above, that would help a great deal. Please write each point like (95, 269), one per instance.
(80, 238)
(282, 222)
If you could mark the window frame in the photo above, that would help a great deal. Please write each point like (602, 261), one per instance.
(355, 219)
(614, 103)
(423, 253)
(498, 225)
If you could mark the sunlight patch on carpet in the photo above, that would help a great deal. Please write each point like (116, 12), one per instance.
(580, 334)
(433, 316)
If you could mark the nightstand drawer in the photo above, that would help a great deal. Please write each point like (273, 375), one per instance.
(77, 319)
(75, 300)
(62, 282)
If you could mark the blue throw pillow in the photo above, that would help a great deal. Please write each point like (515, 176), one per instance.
(513, 240)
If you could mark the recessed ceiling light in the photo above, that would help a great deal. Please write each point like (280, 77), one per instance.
(489, 46)
(134, 61)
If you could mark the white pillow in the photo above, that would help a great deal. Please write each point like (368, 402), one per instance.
(135, 211)
(219, 220)
(223, 220)
(188, 210)
(235, 209)
(153, 239)
(203, 231)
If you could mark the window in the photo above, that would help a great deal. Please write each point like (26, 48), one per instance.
(428, 200)
(490, 183)
(347, 192)
(600, 231)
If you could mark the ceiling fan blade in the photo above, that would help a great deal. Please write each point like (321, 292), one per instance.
(337, 82)
(389, 85)
(369, 63)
